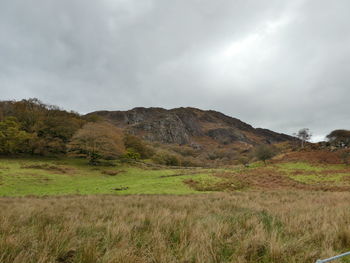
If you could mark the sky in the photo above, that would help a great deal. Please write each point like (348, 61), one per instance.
(277, 64)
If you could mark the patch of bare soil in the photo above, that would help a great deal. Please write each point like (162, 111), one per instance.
(179, 174)
(48, 167)
(112, 172)
(335, 171)
(269, 178)
(320, 157)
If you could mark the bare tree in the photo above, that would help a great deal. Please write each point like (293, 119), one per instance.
(304, 135)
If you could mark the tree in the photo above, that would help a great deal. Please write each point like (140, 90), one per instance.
(339, 138)
(264, 152)
(304, 135)
(12, 138)
(50, 127)
(97, 141)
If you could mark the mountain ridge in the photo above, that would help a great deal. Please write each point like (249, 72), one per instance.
(191, 126)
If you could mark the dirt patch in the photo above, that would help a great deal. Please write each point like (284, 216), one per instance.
(111, 172)
(269, 178)
(319, 157)
(179, 174)
(48, 167)
(335, 171)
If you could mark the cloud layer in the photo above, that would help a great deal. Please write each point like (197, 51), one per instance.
(279, 64)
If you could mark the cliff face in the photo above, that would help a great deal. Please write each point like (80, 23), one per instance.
(189, 126)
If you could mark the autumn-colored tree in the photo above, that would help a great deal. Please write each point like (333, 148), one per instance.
(28, 112)
(51, 128)
(264, 152)
(96, 141)
(56, 130)
(12, 138)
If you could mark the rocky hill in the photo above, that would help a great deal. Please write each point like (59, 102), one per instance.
(190, 126)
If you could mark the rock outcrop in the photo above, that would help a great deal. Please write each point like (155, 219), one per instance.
(188, 126)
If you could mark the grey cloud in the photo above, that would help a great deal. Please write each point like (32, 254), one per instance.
(282, 65)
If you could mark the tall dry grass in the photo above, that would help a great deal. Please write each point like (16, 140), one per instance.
(241, 227)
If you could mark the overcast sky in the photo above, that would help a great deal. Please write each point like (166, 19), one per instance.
(277, 64)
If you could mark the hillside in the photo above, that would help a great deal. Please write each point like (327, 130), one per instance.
(191, 126)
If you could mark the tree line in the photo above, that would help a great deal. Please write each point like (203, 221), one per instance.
(34, 128)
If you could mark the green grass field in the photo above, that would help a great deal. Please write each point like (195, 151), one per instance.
(23, 177)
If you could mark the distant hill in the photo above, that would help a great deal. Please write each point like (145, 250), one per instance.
(190, 126)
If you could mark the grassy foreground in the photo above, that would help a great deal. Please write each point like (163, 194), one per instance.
(292, 226)
(66, 211)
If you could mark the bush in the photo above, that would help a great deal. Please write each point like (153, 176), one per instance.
(130, 155)
(225, 155)
(185, 151)
(244, 160)
(264, 152)
(136, 145)
(166, 159)
(345, 157)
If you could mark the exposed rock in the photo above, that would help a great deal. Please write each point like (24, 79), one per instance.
(188, 125)
(227, 135)
(272, 137)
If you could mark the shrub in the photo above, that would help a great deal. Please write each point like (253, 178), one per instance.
(136, 145)
(244, 160)
(264, 152)
(130, 155)
(222, 154)
(345, 157)
(166, 159)
(185, 151)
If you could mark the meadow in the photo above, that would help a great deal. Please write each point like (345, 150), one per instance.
(46, 177)
(255, 226)
(23, 177)
(63, 210)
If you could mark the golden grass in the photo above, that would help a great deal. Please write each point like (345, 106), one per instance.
(289, 226)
